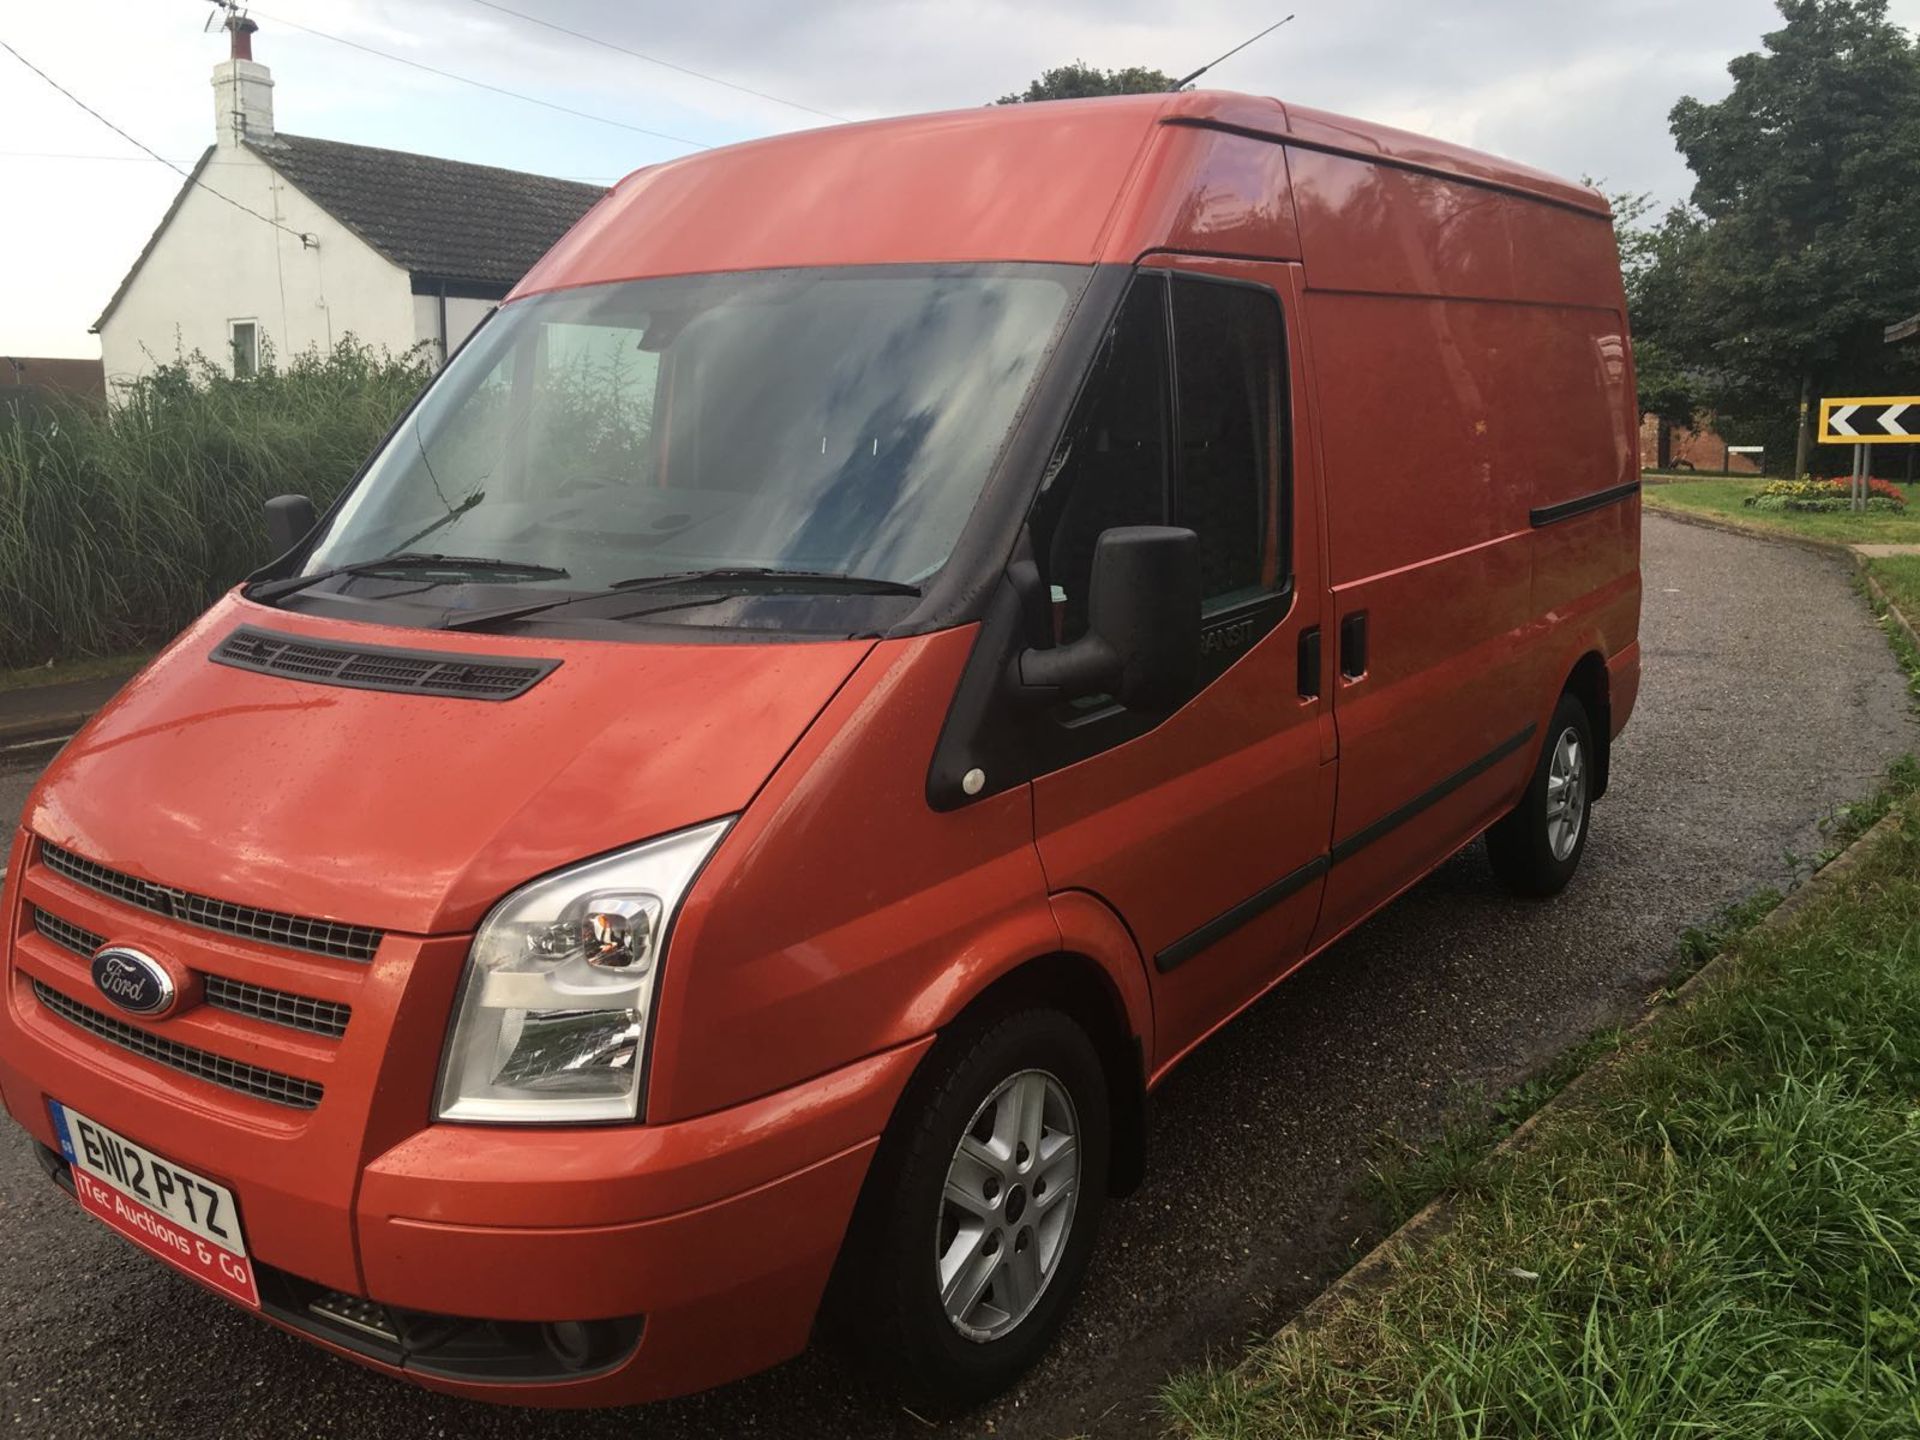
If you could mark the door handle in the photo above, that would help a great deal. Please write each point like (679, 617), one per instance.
(1309, 681)
(1353, 645)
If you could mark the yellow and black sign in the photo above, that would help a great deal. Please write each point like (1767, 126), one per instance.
(1871, 420)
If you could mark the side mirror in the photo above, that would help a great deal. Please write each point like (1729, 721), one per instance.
(289, 518)
(1142, 644)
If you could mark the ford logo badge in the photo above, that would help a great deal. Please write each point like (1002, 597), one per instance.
(133, 980)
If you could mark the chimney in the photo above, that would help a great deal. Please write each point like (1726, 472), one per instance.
(242, 89)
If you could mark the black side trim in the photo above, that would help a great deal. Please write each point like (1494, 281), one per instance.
(1567, 509)
(1393, 819)
(1225, 923)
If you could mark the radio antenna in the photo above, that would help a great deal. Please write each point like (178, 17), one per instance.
(1187, 80)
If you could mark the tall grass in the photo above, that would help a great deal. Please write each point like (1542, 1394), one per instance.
(1719, 1237)
(119, 525)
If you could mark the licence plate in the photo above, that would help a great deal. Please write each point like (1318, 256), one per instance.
(164, 1208)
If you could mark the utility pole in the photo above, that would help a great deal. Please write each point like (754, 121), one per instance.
(1803, 446)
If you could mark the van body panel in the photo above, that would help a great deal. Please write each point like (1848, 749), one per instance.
(1623, 684)
(1090, 927)
(843, 916)
(1503, 369)
(1205, 191)
(416, 813)
(970, 185)
(1344, 134)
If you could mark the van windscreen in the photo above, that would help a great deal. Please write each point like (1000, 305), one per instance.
(834, 422)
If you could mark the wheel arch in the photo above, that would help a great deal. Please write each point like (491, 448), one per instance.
(1588, 682)
(1083, 988)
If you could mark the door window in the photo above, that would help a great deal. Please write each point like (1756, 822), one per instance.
(1226, 345)
(1111, 466)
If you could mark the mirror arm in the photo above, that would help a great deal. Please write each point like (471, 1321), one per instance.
(1088, 666)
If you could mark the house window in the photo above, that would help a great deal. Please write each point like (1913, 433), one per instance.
(243, 339)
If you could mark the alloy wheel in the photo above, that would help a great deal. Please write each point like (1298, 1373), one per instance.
(1566, 793)
(1007, 1207)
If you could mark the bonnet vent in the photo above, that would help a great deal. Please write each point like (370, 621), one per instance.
(380, 667)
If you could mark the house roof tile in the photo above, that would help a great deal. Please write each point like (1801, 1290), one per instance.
(442, 219)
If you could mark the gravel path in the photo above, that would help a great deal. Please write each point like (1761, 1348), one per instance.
(1769, 699)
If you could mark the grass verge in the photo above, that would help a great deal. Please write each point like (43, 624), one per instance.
(1718, 1235)
(1726, 500)
(1405, 1174)
(1899, 576)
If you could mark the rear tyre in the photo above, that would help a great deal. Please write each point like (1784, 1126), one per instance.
(1536, 847)
(979, 1218)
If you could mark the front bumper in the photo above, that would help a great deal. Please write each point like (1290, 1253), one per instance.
(711, 1239)
(466, 1223)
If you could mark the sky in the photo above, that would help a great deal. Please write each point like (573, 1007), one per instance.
(1578, 87)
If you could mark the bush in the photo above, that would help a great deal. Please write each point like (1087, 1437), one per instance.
(118, 526)
(1808, 493)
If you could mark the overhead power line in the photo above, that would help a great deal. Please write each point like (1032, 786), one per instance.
(187, 175)
(656, 60)
(478, 84)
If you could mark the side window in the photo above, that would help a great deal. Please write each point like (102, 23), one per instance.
(1226, 347)
(1111, 467)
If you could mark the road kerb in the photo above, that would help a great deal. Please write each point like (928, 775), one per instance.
(43, 727)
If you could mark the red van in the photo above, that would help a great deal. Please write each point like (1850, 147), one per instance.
(885, 641)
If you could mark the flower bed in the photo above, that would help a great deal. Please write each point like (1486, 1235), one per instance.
(1837, 494)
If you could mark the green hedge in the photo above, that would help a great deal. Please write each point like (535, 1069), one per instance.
(119, 525)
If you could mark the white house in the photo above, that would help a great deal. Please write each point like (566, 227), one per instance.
(395, 249)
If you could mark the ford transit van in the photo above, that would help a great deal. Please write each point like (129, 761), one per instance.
(882, 644)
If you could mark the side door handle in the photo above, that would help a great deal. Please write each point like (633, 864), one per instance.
(1353, 645)
(1309, 664)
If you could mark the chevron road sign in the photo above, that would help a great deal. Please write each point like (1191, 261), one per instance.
(1871, 420)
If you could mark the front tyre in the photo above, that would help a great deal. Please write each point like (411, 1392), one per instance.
(981, 1213)
(1536, 847)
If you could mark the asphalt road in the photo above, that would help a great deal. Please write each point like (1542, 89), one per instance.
(1769, 699)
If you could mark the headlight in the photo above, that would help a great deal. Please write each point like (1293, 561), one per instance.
(551, 1024)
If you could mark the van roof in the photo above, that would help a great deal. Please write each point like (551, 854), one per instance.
(998, 182)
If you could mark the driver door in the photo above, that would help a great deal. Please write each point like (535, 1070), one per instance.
(1208, 831)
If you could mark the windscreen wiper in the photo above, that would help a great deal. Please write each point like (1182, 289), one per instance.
(734, 575)
(410, 560)
(752, 574)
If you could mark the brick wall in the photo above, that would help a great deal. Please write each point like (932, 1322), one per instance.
(1699, 449)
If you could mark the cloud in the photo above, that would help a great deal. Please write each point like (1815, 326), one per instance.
(1575, 88)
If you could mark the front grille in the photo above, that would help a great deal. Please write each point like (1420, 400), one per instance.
(380, 667)
(272, 927)
(65, 933)
(282, 1007)
(252, 1080)
(302, 1012)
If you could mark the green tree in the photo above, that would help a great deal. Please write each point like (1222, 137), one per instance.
(1801, 245)
(1653, 258)
(1080, 81)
